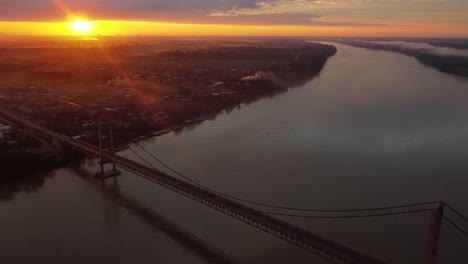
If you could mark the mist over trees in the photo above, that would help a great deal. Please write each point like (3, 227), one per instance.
(450, 59)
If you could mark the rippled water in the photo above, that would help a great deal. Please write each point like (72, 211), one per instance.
(376, 128)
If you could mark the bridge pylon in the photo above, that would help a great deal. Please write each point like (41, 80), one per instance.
(435, 227)
(103, 173)
(57, 144)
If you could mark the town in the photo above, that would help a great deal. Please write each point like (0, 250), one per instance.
(141, 91)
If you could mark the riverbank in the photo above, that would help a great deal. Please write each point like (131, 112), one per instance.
(447, 59)
(153, 93)
(368, 132)
(20, 164)
(239, 75)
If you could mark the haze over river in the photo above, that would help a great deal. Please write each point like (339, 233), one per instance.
(374, 129)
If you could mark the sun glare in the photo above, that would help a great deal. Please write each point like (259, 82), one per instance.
(81, 27)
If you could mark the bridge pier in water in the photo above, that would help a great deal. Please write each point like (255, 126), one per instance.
(56, 144)
(106, 174)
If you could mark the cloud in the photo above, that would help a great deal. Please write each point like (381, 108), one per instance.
(232, 12)
(424, 47)
(118, 9)
(263, 19)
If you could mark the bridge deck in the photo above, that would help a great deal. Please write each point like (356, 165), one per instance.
(274, 226)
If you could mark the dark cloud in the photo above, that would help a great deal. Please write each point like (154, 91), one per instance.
(182, 11)
(37, 10)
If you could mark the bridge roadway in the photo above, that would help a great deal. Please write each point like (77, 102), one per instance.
(293, 234)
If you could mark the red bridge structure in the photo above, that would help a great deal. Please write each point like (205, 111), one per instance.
(293, 234)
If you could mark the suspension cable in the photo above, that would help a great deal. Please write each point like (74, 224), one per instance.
(348, 216)
(464, 232)
(282, 207)
(143, 159)
(455, 211)
(461, 230)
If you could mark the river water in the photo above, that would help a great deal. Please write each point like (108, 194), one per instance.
(374, 129)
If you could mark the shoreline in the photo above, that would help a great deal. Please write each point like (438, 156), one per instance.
(183, 109)
(17, 165)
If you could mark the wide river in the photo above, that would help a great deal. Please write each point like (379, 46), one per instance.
(374, 129)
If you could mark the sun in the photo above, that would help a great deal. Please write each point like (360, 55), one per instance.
(81, 27)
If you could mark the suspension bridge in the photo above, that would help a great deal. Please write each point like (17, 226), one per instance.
(230, 206)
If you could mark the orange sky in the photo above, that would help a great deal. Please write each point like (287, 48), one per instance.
(431, 18)
(176, 29)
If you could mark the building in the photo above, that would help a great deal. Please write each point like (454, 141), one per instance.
(5, 129)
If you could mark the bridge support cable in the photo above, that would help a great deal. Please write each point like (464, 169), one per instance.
(289, 208)
(293, 234)
(290, 233)
(451, 208)
(314, 210)
(142, 159)
(435, 234)
(348, 216)
(457, 227)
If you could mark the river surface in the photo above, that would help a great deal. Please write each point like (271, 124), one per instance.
(374, 129)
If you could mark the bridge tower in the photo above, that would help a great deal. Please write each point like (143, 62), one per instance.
(435, 227)
(103, 173)
(57, 144)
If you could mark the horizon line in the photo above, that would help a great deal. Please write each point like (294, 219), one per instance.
(226, 36)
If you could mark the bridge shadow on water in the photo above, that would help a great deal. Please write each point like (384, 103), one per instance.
(28, 184)
(183, 237)
(28, 173)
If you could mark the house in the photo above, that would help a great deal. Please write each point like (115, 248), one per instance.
(5, 129)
